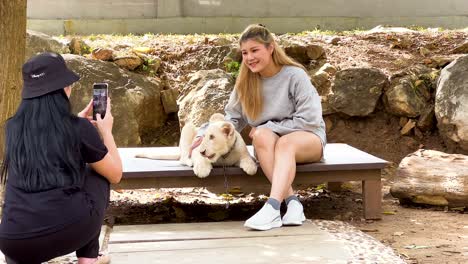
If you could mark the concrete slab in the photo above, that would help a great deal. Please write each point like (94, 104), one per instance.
(229, 242)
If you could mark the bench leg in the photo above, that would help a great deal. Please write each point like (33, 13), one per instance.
(334, 186)
(372, 198)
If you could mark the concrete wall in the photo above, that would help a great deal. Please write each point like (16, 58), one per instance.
(214, 16)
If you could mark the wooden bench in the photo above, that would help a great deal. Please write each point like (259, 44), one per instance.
(342, 163)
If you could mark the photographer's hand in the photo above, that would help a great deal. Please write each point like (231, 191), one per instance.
(87, 112)
(111, 166)
(105, 124)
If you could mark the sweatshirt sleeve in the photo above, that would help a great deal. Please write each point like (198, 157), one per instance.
(234, 112)
(308, 108)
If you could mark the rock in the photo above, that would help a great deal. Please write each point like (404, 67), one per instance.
(326, 108)
(328, 68)
(129, 62)
(234, 54)
(154, 63)
(303, 53)
(408, 127)
(169, 100)
(214, 58)
(403, 121)
(424, 51)
(430, 199)
(463, 48)
(79, 47)
(102, 54)
(439, 61)
(383, 29)
(427, 119)
(321, 81)
(451, 103)
(408, 95)
(356, 90)
(419, 135)
(334, 41)
(143, 50)
(328, 124)
(220, 41)
(37, 42)
(136, 102)
(432, 177)
(206, 93)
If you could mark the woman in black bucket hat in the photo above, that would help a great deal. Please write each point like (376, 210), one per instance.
(56, 169)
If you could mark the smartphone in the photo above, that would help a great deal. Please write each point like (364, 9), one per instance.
(100, 93)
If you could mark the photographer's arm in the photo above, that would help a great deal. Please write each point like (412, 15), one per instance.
(111, 165)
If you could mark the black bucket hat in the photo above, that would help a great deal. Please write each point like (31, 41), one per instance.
(45, 73)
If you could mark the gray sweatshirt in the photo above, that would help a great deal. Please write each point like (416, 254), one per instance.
(290, 103)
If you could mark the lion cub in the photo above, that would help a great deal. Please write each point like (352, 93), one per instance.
(220, 145)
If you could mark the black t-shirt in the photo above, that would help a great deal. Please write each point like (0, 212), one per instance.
(27, 214)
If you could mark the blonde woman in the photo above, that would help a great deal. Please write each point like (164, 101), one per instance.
(273, 94)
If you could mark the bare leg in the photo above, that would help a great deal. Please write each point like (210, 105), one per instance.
(295, 147)
(264, 142)
(278, 160)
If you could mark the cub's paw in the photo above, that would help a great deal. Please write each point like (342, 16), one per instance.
(249, 166)
(201, 170)
(186, 161)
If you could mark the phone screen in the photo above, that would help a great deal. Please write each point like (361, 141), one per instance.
(99, 99)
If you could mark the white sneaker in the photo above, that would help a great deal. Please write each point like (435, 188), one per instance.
(265, 219)
(295, 214)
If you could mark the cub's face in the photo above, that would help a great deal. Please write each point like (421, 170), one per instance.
(218, 139)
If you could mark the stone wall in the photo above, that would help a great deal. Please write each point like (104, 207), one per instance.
(215, 16)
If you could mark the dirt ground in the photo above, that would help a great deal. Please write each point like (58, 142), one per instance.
(419, 234)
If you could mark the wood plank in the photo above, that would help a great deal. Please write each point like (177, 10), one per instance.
(298, 249)
(224, 242)
(372, 198)
(200, 231)
(303, 179)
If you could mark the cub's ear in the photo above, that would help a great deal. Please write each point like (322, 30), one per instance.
(228, 129)
(216, 117)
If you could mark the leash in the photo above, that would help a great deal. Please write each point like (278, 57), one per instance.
(226, 187)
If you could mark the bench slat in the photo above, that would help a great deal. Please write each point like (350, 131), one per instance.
(337, 157)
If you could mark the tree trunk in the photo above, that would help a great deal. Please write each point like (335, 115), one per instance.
(12, 53)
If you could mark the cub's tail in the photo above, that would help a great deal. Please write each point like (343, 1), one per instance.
(159, 156)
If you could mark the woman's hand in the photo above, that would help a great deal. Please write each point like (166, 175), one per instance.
(87, 112)
(105, 124)
(252, 131)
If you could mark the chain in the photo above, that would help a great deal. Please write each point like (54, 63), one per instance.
(226, 186)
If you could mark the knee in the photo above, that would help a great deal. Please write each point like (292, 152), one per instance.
(284, 145)
(263, 138)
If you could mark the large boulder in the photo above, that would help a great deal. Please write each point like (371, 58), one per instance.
(432, 177)
(136, 102)
(206, 93)
(37, 42)
(410, 92)
(356, 91)
(451, 103)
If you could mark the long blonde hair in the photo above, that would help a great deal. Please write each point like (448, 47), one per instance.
(249, 84)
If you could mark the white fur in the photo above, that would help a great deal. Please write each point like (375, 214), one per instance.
(220, 136)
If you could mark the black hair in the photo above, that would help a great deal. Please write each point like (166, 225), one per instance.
(42, 144)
